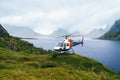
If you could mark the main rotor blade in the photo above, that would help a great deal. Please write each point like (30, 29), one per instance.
(76, 35)
(67, 35)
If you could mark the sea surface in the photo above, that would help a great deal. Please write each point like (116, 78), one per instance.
(104, 51)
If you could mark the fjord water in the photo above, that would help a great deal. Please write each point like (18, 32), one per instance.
(104, 51)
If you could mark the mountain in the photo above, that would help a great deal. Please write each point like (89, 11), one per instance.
(20, 60)
(3, 32)
(97, 32)
(20, 31)
(78, 32)
(59, 32)
(15, 44)
(62, 32)
(114, 32)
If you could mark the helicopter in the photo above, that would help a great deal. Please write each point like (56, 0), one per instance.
(66, 46)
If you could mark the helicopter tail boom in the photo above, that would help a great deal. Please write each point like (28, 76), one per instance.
(80, 42)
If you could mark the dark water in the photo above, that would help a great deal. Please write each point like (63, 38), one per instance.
(104, 51)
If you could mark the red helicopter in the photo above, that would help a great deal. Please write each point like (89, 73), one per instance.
(66, 45)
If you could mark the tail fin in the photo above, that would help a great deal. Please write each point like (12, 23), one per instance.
(82, 40)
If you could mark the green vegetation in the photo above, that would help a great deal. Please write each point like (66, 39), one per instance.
(24, 66)
(20, 60)
(15, 44)
(112, 36)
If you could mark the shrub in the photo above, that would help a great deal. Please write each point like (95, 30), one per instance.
(54, 54)
(48, 65)
(33, 64)
(2, 45)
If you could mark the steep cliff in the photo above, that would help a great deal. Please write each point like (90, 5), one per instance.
(114, 32)
(3, 32)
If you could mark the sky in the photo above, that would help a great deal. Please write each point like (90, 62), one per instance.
(45, 16)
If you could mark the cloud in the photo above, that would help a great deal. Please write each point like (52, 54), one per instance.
(44, 16)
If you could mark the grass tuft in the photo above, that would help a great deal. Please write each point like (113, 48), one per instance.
(49, 65)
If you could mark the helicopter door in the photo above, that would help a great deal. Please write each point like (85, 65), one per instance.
(66, 45)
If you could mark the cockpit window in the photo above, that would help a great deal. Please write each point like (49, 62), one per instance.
(59, 44)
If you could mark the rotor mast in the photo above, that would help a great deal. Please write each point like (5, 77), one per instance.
(66, 37)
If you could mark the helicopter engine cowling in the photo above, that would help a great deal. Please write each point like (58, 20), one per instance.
(70, 43)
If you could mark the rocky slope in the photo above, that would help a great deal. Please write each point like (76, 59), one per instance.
(3, 32)
(114, 32)
(16, 44)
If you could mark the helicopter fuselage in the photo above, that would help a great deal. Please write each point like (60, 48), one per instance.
(66, 45)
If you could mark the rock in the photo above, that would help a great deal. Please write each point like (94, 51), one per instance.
(3, 32)
(114, 32)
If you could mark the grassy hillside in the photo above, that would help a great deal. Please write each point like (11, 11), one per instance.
(20, 60)
(24, 66)
(15, 44)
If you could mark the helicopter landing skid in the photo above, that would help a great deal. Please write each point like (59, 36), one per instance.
(71, 51)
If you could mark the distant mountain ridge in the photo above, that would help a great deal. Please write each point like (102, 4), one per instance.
(114, 32)
(59, 32)
(97, 32)
(20, 31)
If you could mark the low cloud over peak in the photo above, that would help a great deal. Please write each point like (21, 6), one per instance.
(45, 16)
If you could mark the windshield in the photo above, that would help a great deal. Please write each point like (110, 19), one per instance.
(59, 44)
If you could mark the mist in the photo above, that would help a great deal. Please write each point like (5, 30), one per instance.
(45, 16)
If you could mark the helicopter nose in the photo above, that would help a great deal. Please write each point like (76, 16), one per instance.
(57, 48)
